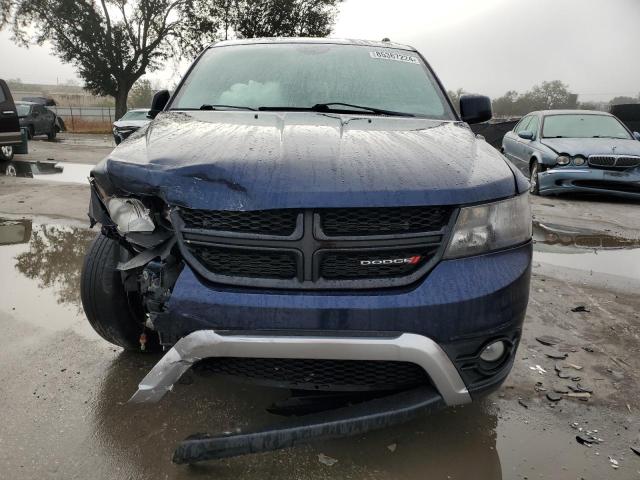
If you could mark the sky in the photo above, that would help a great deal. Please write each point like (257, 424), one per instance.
(483, 46)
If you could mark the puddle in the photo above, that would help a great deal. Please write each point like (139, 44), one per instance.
(67, 402)
(586, 250)
(40, 273)
(53, 171)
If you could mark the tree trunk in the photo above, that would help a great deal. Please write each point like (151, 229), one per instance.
(121, 101)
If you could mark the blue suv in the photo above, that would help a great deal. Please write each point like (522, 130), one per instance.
(313, 214)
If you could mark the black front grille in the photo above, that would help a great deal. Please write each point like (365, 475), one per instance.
(246, 262)
(372, 264)
(262, 222)
(314, 249)
(337, 375)
(628, 162)
(613, 161)
(341, 222)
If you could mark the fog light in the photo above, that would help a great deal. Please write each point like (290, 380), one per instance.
(493, 352)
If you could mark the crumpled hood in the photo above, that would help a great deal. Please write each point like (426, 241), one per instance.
(593, 146)
(251, 161)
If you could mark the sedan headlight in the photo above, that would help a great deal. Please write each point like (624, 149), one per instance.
(563, 160)
(579, 161)
(130, 215)
(491, 226)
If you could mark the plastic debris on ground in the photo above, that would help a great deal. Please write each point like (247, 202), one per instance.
(326, 460)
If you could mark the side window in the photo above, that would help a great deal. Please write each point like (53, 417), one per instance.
(533, 126)
(3, 97)
(522, 126)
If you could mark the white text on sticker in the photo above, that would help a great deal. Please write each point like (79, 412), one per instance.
(398, 57)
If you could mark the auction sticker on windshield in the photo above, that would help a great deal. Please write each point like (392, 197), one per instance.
(398, 57)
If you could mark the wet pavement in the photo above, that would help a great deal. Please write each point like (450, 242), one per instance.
(587, 250)
(64, 390)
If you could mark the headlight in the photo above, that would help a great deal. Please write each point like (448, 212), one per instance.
(579, 161)
(130, 215)
(491, 226)
(563, 160)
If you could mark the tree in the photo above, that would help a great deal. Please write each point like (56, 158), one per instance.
(210, 20)
(506, 104)
(622, 100)
(112, 43)
(141, 94)
(548, 95)
(455, 97)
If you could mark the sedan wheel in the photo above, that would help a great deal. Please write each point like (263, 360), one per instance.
(6, 152)
(534, 180)
(10, 170)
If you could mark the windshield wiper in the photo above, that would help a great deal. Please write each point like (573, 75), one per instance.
(208, 106)
(606, 136)
(327, 107)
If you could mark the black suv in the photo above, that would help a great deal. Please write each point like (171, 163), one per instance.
(9, 124)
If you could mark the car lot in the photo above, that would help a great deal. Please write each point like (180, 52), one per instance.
(587, 259)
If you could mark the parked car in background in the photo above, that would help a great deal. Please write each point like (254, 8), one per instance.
(576, 151)
(316, 210)
(129, 123)
(9, 124)
(37, 119)
(45, 101)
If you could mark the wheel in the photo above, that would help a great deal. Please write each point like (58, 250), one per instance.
(6, 153)
(30, 132)
(106, 303)
(9, 169)
(51, 136)
(534, 180)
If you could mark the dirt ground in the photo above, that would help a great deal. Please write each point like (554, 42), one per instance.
(64, 390)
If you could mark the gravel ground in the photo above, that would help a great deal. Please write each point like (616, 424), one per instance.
(64, 390)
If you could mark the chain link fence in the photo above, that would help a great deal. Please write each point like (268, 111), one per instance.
(85, 119)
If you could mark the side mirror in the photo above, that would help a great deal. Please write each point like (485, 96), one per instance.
(526, 134)
(160, 100)
(637, 135)
(475, 108)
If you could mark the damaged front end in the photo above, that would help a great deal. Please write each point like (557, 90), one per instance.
(149, 260)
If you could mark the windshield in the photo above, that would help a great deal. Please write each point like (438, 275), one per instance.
(583, 126)
(23, 110)
(135, 115)
(303, 75)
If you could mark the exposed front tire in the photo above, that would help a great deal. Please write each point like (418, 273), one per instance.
(31, 132)
(534, 179)
(105, 301)
(6, 153)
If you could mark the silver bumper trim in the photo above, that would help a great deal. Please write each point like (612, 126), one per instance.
(407, 347)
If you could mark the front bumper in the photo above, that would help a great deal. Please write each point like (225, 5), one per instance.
(202, 344)
(623, 183)
(442, 324)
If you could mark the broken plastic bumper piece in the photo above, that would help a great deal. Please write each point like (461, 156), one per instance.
(342, 422)
(406, 347)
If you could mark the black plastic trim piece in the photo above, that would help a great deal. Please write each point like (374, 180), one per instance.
(342, 422)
